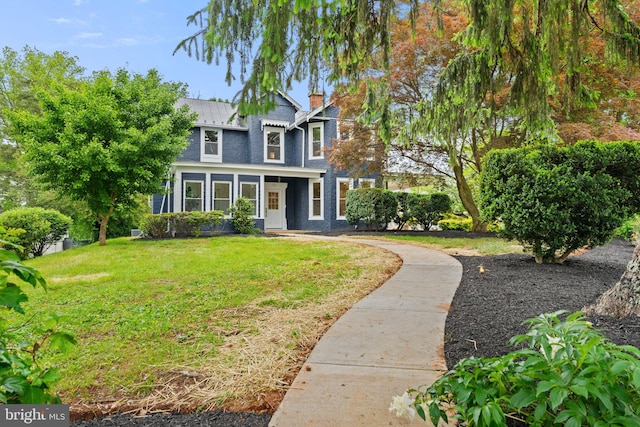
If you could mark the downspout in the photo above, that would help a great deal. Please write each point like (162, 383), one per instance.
(303, 140)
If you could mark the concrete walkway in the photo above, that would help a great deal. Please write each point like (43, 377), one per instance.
(390, 341)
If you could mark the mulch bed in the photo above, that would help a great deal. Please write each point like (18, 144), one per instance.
(487, 310)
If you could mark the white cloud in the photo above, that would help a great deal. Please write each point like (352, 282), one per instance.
(79, 2)
(60, 20)
(88, 35)
(127, 41)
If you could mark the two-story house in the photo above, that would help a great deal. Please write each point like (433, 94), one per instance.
(278, 161)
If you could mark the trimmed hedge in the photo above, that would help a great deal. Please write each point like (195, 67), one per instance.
(556, 200)
(41, 228)
(180, 224)
(375, 207)
(423, 209)
(460, 224)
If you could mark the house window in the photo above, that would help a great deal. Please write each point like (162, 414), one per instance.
(193, 196)
(249, 190)
(211, 145)
(274, 144)
(366, 183)
(316, 199)
(343, 185)
(316, 141)
(344, 130)
(222, 196)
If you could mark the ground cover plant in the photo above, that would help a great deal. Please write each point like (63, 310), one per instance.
(198, 324)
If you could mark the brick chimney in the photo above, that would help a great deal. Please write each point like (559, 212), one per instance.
(315, 100)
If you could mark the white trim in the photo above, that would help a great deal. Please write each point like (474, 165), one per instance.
(313, 217)
(230, 168)
(313, 126)
(273, 123)
(178, 203)
(280, 131)
(216, 158)
(338, 182)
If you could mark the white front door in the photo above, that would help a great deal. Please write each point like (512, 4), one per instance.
(275, 204)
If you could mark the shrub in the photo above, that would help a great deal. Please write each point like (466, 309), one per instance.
(556, 200)
(43, 228)
(459, 224)
(430, 209)
(375, 207)
(180, 224)
(23, 379)
(566, 373)
(242, 212)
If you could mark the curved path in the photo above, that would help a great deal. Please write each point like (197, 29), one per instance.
(392, 340)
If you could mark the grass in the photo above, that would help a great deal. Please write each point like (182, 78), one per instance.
(195, 324)
(461, 246)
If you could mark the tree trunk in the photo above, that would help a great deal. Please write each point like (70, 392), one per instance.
(102, 236)
(466, 197)
(623, 299)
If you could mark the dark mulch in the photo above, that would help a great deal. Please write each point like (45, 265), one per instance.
(489, 309)
(199, 419)
(486, 311)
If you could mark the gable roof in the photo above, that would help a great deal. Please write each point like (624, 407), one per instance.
(307, 116)
(214, 113)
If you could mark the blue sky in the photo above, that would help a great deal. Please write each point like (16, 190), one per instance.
(108, 34)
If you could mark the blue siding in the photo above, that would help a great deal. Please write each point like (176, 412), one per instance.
(192, 152)
(235, 146)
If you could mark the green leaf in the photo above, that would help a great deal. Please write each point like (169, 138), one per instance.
(50, 377)
(34, 396)
(557, 396)
(619, 366)
(523, 398)
(12, 297)
(24, 272)
(15, 384)
(62, 341)
(580, 390)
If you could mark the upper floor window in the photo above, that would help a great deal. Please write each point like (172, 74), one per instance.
(193, 200)
(273, 144)
(249, 190)
(211, 145)
(316, 140)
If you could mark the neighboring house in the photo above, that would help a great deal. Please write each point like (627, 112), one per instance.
(276, 160)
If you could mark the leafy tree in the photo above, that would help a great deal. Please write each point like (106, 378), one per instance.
(106, 141)
(21, 74)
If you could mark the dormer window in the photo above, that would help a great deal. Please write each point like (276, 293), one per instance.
(211, 145)
(316, 141)
(273, 144)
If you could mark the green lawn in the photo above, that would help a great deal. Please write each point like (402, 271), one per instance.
(152, 315)
(462, 246)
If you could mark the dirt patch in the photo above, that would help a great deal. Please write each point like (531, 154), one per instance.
(79, 278)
